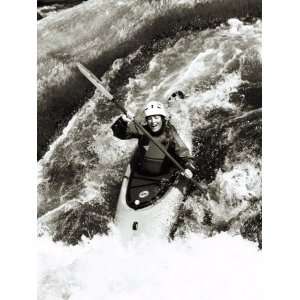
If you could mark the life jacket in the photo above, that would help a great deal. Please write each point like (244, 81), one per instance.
(151, 160)
(148, 159)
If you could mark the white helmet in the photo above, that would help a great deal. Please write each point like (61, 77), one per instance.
(155, 108)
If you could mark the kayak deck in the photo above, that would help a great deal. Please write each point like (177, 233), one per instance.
(144, 190)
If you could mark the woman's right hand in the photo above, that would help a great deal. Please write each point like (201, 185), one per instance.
(128, 117)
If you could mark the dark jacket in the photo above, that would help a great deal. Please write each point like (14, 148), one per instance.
(148, 158)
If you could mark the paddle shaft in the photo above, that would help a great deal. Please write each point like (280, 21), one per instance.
(157, 144)
(96, 82)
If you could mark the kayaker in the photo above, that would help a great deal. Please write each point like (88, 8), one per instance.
(149, 159)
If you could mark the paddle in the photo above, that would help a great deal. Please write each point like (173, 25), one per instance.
(96, 82)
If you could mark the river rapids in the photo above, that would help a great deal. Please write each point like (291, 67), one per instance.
(143, 51)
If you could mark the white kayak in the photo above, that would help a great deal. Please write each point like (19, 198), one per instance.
(146, 206)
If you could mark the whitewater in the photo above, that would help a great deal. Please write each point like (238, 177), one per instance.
(80, 252)
(195, 268)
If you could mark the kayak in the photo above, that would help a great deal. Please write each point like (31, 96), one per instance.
(148, 205)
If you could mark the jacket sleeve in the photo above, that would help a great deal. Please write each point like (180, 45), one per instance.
(125, 130)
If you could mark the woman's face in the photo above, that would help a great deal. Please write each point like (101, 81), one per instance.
(155, 122)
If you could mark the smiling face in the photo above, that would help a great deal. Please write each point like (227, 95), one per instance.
(155, 122)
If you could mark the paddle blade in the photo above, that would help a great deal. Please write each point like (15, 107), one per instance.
(94, 80)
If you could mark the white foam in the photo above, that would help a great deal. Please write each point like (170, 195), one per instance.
(220, 267)
(234, 190)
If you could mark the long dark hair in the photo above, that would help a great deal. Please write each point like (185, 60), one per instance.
(164, 127)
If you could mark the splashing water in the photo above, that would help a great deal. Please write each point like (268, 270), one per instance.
(103, 268)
